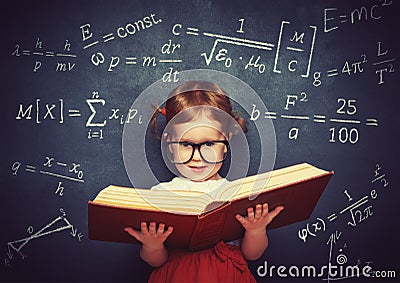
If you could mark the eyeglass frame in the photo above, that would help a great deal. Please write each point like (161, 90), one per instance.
(197, 146)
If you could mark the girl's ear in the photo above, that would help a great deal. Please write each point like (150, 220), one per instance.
(166, 137)
(230, 134)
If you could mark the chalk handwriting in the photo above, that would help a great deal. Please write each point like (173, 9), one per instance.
(40, 112)
(333, 19)
(53, 168)
(342, 134)
(384, 66)
(39, 54)
(59, 224)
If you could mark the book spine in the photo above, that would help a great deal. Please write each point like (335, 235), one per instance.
(208, 230)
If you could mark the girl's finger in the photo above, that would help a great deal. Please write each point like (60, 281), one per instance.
(169, 231)
(132, 232)
(161, 228)
(240, 218)
(143, 228)
(275, 212)
(250, 214)
(152, 228)
(265, 210)
(258, 211)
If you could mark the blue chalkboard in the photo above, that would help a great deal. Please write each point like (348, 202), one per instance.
(323, 74)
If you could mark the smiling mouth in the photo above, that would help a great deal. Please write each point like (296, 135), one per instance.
(197, 169)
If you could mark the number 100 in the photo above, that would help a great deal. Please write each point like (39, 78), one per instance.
(344, 135)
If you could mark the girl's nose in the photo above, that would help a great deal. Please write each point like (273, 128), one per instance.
(196, 155)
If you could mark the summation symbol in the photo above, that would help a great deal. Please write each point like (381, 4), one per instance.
(40, 112)
(59, 224)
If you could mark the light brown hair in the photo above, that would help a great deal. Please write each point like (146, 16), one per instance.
(194, 93)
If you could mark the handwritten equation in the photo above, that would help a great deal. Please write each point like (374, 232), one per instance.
(359, 210)
(59, 224)
(347, 108)
(52, 168)
(39, 52)
(333, 19)
(293, 49)
(40, 112)
(121, 32)
(384, 66)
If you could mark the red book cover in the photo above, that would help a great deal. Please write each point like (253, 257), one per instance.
(194, 232)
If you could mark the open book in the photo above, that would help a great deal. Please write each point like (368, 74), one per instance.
(200, 220)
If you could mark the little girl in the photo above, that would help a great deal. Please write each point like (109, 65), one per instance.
(197, 142)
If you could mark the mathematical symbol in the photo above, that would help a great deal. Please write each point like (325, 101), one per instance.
(95, 134)
(48, 112)
(114, 114)
(356, 204)
(49, 161)
(66, 55)
(192, 31)
(371, 122)
(74, 113)
(270, 115)
(90, 102)
(295, 117)
(91, 44)
(74, 168)
(235, 41)
(332, 73)
(294, 49)
(15, 167)
(332, 217)
(319, 118)
(383, 62)
(345, 121)
(380, 177)
(130, 60)
(317, 227)
(170, 61)
(26, 52)
(60, 189)
(30, 168)
(348, 195)
(292, 65)
(108, 37)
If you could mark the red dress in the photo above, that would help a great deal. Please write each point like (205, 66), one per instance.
(223, 263)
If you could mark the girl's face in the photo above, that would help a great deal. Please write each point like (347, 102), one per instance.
(198, 131)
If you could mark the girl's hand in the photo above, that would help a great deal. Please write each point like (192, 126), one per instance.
(258, 220)
(150, 236)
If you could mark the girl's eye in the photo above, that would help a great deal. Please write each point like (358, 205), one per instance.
(185, 144)
(209, 143)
